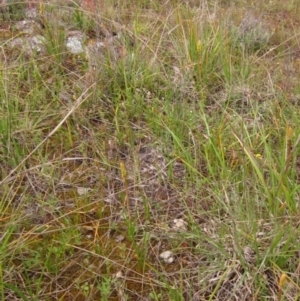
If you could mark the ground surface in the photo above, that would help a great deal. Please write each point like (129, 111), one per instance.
(160, 161)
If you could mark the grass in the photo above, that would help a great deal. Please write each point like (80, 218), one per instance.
(186, 114)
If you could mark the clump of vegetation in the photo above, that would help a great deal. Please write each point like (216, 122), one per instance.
(253, 34)
(159, 160)
(12, 10)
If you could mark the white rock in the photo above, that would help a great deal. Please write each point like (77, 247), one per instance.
(179, 225)
(83, 190)
(28, 44)
(26, 26)
(119, 274)
(167, 256)
(75, 44)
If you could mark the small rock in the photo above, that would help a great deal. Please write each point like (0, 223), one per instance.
(26, 26)
(109, 200)
(29, 45)
(120, 238)
(75, 43)
(83, 190)
(119, 274)
(167, 256)
(179, 225)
